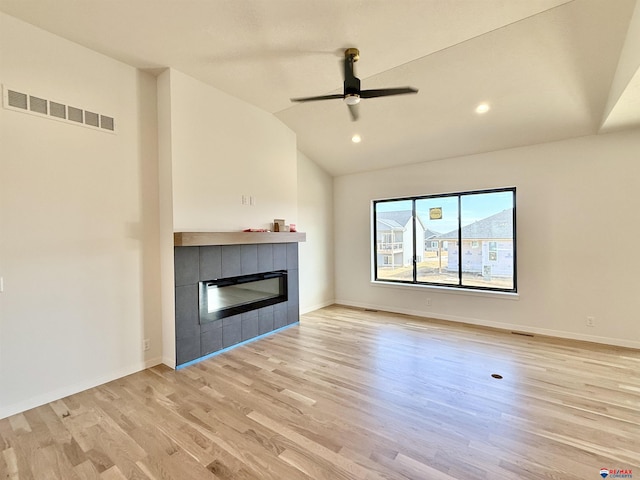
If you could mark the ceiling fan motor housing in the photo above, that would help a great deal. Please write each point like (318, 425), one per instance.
(351, 82)
(352, 86)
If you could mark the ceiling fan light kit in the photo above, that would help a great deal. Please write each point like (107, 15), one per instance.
(352, 94)
(352, 99)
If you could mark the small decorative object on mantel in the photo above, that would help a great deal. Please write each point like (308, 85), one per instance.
(256, 230)
(292, 227)
(278, 225)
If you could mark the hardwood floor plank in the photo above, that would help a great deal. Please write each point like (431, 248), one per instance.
(113, 473)
(416, 469)
(349, 394)
(310, 446)
(9, 463)
(19, 424)
(316, 467)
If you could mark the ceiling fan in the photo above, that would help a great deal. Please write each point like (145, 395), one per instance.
(352, 93)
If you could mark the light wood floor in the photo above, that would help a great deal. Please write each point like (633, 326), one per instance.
(349, 394)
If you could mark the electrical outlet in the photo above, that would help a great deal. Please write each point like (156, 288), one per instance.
(428, 302)
(591, 321)
(146, 344)
(245, 200)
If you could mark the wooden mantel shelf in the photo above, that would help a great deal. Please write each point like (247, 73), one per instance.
(198, 239)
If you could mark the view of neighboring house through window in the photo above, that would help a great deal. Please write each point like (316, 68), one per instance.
(462, 240)
(394, 240)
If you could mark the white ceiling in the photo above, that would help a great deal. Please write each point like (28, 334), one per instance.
(549, 68)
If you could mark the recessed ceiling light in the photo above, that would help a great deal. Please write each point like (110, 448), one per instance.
(356, 138)
(482, 108)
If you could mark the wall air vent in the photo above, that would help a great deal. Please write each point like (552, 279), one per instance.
(76, 115)
(106, 122)
(24, 102)
(17, 99)
(57, 110)
(91, 118)
(38, 105)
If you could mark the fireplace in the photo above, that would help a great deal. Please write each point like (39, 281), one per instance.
(220, 298)
(231, 293)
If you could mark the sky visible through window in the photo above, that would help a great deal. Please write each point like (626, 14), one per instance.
(474, 207)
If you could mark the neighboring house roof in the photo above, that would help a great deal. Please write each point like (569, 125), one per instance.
(385, 224)
(430, 234)
(401, 217)
(495, 226)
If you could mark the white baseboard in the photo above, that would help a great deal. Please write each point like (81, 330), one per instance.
(169, 362)
(52, 396)
(312, 308)
(152, 362)
(618, 342)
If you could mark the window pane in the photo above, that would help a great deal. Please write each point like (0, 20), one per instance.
(394, 240)
(487, 240)
(437, 231)
(461, 240)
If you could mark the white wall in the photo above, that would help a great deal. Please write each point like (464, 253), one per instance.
(577, 233)
(315, 213)
(86, 217)
(213, 149)
(223, 148)
(78, 223)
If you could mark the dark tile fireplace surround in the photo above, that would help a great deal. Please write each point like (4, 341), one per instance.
(195, 264)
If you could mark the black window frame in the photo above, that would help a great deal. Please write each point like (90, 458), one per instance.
(459, 240)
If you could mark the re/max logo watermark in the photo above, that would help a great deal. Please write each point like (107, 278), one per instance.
(616, 473)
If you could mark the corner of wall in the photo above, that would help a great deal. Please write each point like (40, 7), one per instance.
(166, 218)
(315, 214)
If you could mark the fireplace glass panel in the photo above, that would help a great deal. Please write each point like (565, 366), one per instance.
(230, 296)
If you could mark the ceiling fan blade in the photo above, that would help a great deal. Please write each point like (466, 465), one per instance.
(385, 92)
(353, 110)
(314, 99)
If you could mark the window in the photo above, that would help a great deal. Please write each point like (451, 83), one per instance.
(464, 240)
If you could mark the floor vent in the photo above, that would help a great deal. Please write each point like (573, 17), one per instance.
(24, 102)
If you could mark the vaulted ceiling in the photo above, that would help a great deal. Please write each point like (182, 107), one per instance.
(549, 69)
